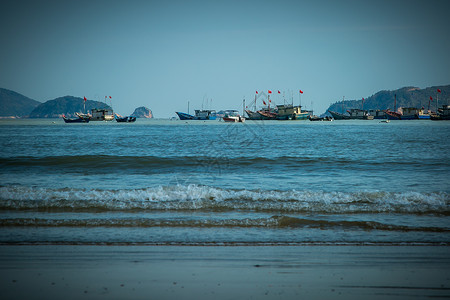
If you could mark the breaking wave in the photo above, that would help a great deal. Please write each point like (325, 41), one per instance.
(205, 198)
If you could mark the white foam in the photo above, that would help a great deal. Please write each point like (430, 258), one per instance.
(204, 197)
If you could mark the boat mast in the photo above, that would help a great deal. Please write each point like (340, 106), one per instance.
(395, 102)
(243, 107)
(437, 100)
(188, 107)
(343, 111)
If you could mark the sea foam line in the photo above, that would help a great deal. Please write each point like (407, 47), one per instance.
(195, 197)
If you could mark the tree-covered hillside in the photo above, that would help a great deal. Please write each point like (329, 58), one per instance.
(67, 105)
(406, 97)
(13, 104)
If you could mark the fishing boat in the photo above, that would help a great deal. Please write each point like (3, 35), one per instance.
(200, 114)
(231, 115)
(339, 116)
(407, 113)
(267, 115)
(442, 114)
(377, 113)
(291, 112)
(253, 115)
(233, 119)
(102, 114)
(359, 114)
(393, 115)
(78, 119)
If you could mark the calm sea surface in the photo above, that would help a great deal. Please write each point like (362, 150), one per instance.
(209, 182)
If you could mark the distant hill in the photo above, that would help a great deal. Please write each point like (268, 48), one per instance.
(142, 112)
(67, 105)
(406, 97)
(13, 104)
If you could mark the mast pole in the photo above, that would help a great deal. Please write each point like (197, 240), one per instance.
(437, 100)
(395, 102)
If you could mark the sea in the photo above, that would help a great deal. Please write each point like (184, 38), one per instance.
(172, 182)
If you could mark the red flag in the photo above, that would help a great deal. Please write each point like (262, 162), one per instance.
(85, 99)
(431, 98)
(301, 92)
(257, 92)
(109, 97)
(439, 90)
(363, 99)
(264, 102)
(279, 92)
(270, 101)
(270, 92)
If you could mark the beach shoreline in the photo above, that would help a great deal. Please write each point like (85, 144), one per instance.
(224, 272)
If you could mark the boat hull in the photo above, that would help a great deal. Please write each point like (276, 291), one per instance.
(339, 116)
(233, 119)
(184, 116)
(266, 115)
(126, 120)
(75, 120)
(198, 116)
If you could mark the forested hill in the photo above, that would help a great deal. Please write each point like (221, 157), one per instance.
(13, 104)
(67, 105)
(406, 97)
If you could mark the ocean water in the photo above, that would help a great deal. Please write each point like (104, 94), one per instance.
(162, 182)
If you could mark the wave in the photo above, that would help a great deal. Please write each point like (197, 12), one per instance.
(205, 198)
(108, 163)
(271, 222)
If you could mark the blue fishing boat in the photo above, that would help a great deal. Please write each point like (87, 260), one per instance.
(200, 114)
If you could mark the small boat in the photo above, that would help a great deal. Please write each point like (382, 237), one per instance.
(234, 119)
(78, 119)
(385, 121)
(128, 119)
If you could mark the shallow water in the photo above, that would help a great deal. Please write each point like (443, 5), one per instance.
(208, 182)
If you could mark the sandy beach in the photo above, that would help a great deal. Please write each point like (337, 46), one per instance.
(224, 272)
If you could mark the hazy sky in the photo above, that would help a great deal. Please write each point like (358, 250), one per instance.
(162, 54)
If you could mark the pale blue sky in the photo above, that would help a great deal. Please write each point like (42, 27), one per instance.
(162, 54)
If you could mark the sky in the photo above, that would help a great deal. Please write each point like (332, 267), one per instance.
(214, 54)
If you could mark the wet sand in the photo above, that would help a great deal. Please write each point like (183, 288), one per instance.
(224, 272)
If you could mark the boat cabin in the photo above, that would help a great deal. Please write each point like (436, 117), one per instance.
(102, 114)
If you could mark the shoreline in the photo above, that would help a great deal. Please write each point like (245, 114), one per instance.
(224, 272)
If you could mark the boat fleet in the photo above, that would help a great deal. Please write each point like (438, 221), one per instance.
(98, 114)
(277, 112)
(295, 112)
